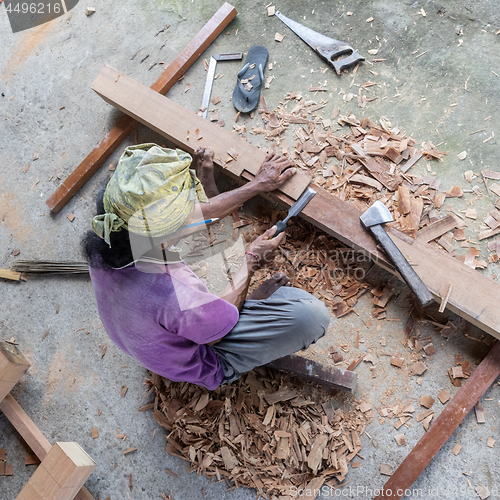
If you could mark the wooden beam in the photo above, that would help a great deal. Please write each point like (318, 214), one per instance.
(60, 475)
(184, 128)
(331, 376)
(13, 365)
(444, 426)
(122, 129)
(32, 435)
(473, 295)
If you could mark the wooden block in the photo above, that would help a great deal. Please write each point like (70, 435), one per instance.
(8, 470)
(32, 435)
(2, 468)
(426, 401)
(61, 473)
(443, 396)
(163, 84)
(178, 125)
(13, 365)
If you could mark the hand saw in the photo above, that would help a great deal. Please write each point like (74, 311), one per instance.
(328, 48)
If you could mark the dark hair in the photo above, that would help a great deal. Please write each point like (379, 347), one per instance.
(98, 252)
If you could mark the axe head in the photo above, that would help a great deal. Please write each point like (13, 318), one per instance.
(378, 213)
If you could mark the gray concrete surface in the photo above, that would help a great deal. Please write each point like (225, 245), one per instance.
(439, 82)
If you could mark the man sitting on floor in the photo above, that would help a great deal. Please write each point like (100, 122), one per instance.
(160, 313)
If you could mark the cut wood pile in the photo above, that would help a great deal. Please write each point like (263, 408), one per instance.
(267, 431)
(315, 262)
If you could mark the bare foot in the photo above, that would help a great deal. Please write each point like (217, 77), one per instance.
(269, 287)
(203, 163)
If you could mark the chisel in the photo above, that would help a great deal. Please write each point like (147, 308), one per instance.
(295, 209)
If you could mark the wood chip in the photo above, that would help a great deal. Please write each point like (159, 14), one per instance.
(385, 469)
(271, 10)
(443, 396)
(462, 155)
(129, 450)
(456, 449)
(34, 460)
(430, 350)
(400, 439)
(482, 491)
(95, 433)
(426, 401)
(71, 217)
(491, 442)
(278, 37)
(124, 391)
(398, 362)
(480, 415)
(417, 368)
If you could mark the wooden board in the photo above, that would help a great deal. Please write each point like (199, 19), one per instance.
(184, 127)
(13, 365)
(444, 426)
(32, 435)
(60, 475)
(473, 296)
(126, 124)
(331, 376)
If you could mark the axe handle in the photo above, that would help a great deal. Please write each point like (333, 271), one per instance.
(402, 265)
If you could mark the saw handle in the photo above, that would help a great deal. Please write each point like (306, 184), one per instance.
(402, 265)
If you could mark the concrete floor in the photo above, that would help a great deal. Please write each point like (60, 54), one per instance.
(439, 82)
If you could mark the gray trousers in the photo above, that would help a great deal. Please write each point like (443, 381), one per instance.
(286, 322)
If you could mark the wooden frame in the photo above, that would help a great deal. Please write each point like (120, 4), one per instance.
(122, 129)
(13, 365)
(473, 296)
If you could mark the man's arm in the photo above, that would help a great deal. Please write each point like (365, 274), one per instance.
(271, 175)
(261, 250)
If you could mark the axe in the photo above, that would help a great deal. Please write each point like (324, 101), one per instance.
(373, 219)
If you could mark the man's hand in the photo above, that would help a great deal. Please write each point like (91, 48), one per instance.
(265, 247)
(273, 172)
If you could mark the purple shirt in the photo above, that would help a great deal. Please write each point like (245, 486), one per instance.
(164, 320)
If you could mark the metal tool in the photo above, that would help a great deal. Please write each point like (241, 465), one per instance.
(373, 219)
(295, 209)
(328, 48)
(235, 56)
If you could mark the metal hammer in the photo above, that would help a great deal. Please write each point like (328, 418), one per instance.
(235, 56)
(373, 219)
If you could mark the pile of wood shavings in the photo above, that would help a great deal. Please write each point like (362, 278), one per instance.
(267, 431)
(367, 164)
(314, 262)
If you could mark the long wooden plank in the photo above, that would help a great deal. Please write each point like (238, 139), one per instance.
(473, 296)
(122, 129)
(32, 434)
(184, 128)
(443, 427)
